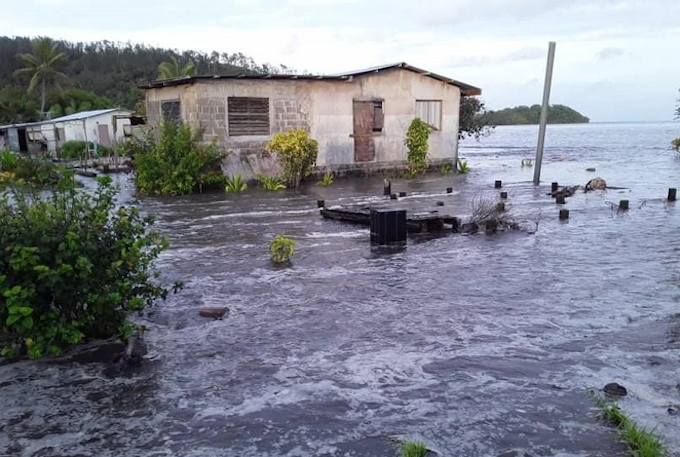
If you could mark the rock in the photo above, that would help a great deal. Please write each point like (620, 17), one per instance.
(508, 454)
(440, 203)
(215, 313)
(673, 410)
(596, 184)
(135, 350)
(491, 226)
(616, 390)
(591, 169)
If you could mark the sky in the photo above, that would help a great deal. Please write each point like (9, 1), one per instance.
(616, 60)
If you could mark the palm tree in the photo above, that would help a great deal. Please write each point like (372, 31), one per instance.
(42, 67)
(174, 69)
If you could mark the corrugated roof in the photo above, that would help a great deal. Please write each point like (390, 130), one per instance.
(71, 117)
(466, 89)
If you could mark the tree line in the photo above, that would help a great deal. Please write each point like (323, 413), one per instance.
(95, 75)
(557, 114)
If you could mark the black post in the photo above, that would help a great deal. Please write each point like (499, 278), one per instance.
(455, 224)
(560, 200)
(388, 227)
(402, 194)
(500, 207)
(672, 194)
(387, 187)
(320, 203)
(555, 186)
(393, 196)
(504, 195)
(440, 203)
(623, 205)
(449, 190)
(564, 214)
(498, 184)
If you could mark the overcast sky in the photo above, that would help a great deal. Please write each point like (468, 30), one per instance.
(616, 60)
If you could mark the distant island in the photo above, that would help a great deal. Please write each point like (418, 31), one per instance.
(519, 115)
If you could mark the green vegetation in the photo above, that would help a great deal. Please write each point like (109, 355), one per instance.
(174, 69)
(413, 449)
(178, 163)
(107, 69)
(527, 163)
(641, 442)
(281, 249)
(70, 101)
(676, 144)
(557, 114)
(72, 150)
(462, 167)
(297, 153)
(73, 266)
(327, 180)
(235, 184)
(41, 66)
(271, 183)
(446, 169)
(474, 119)
(417, 136)
(35, 171)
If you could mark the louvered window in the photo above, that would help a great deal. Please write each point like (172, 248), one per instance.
(171, 111)
(248, 116)
(430, 111)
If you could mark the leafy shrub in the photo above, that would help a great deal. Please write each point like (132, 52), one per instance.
(462, 166)
(327, 179)
(272, 183)
(527, 163)
(413, 449)
(72, 150)
(176, 163)
(446, 169)
(235, 184)
(38, 171)
(281, 249)
(676, 144)
(212, 180)
(297, 152)
(417, 136)
(73, 266)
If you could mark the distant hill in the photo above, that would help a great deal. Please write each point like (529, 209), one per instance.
(557, 114)
(113, 70)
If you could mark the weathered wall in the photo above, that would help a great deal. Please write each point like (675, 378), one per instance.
(324, 108)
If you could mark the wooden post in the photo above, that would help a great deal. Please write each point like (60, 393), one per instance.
(500, 207)
(560, 200)
(504, 195)
(554, 186)
(564, 214)
(402, 194)
(498, 184)
(320, 203)
(449, 190)
(387, 187)
(544, 112)
(623, 205)
(393, 196)
(672, 194)
(440, 203)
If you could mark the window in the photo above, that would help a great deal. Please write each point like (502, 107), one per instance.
(378, 116)
(171, 112)
(430, 111)
(248, 116)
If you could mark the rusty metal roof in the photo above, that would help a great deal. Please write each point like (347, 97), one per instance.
(466, 89)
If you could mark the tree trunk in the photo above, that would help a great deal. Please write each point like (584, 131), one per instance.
(42, 99)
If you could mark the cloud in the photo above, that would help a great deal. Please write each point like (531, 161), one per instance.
(522, 54)
(609, 53)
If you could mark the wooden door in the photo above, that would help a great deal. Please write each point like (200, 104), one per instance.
(364, 149)
(103, 130)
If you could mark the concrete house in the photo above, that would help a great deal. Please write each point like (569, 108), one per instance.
(104, 127)
(359, 118)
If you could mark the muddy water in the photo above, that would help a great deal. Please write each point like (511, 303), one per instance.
(476, 345)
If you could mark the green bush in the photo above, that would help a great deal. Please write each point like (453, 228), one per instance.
(676, 144)
(73, 266)
(297, 152)
(527, 163)
(72, 150)
(446, 169)
(417, 136)
(462, 167)
(38, 171)
(271, 183)
(177, 163)
(235, 184)
(281, 249)
(327, 180)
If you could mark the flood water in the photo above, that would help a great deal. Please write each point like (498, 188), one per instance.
(477, 345)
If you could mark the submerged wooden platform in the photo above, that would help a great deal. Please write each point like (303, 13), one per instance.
(416, 221)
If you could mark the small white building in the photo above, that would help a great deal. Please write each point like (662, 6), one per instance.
(106, 127)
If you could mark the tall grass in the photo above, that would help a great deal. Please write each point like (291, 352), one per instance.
(413, 449)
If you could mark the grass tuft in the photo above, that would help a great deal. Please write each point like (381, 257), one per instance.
(413, 449)
(641, 442)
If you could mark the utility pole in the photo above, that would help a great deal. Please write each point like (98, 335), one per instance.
(544, 112)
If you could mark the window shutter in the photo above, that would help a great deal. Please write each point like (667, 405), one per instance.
(430, 111)
(248, 116)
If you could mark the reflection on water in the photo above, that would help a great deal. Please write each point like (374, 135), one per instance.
(477, 345)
